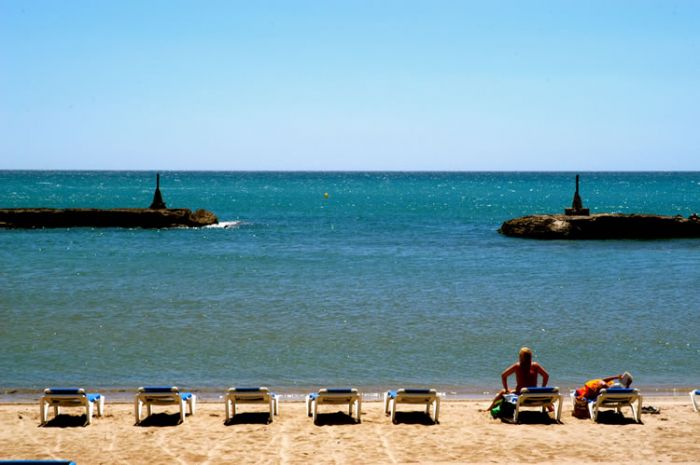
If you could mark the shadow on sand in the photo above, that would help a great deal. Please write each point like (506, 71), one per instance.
(612, 417)
(249, 418)
(337, 418)
(534, 417)
(161, 419)
(67, 421)
(414, 418)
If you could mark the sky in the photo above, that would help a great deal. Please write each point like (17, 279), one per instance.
(357, 85)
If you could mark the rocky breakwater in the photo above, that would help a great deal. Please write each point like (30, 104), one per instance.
(602, 226)
(33, 218)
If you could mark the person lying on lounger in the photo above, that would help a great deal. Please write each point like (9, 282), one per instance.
(526, 372)
(592, 387)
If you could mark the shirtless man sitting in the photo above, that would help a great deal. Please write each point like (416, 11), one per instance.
(526, 372)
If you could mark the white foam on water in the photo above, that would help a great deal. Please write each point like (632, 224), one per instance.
(226, 225)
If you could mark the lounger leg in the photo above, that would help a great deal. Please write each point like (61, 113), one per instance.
(56, 410)
(192, 401)
(137, 409)
(182, 410)
(437, 409)
(638, 411)
(559, 405)
(148, 409)
(392, 407)
(101, 406)
(386, 403)
(43, 411)
(308, 406)
(227, 402)
(593, 411)
(359, 409)
(272, 409)
(88, 412)
(277, 405)
(315, 409)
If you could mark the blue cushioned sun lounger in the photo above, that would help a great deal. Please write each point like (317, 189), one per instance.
(250, 395)
(427, 397)
(616, 398)
(36, 462)
(163, 395)
(541, 397)
(695, 399)
(334, 396)
(70, 397)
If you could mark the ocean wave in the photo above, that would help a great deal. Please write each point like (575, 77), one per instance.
(227, 225)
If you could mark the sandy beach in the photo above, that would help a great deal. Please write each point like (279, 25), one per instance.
(465, 435)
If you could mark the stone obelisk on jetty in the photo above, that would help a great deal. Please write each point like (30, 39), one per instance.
(159, 204)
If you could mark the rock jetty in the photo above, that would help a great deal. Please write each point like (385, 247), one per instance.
(157, 216)
(602, 226)
(35, 218)
(578, 223)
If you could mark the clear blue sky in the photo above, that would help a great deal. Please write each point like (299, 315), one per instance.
(356, 85)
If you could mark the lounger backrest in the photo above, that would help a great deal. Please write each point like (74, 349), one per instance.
(416, 391)
(249, 389)
(65, 391)
(159, 389)
(540, 390)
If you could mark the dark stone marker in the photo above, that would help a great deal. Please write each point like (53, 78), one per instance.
(577, 205)
(158, 203)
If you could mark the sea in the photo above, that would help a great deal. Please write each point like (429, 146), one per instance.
(372, 280)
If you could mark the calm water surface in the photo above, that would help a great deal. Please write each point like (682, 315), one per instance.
(393, 279)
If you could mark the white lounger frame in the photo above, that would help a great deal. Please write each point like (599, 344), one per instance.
(694, 399)
(352, 398)
(261, 395)
(613, 400)
(429, 399)
(539, 399)
(78, 399)
(173, 397)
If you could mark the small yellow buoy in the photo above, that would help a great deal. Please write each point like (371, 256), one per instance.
(325, 195)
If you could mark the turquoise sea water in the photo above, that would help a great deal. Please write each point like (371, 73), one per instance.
(394, 279)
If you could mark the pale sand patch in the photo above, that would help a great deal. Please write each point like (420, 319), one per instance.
(464, 435)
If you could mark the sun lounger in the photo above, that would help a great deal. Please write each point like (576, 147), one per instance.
(348, 396)
(541, 397)
(616, 398)
(695, 399)
(427, 397)
(163, 395)
(250, 395)
(36, 462)
(70, 397)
